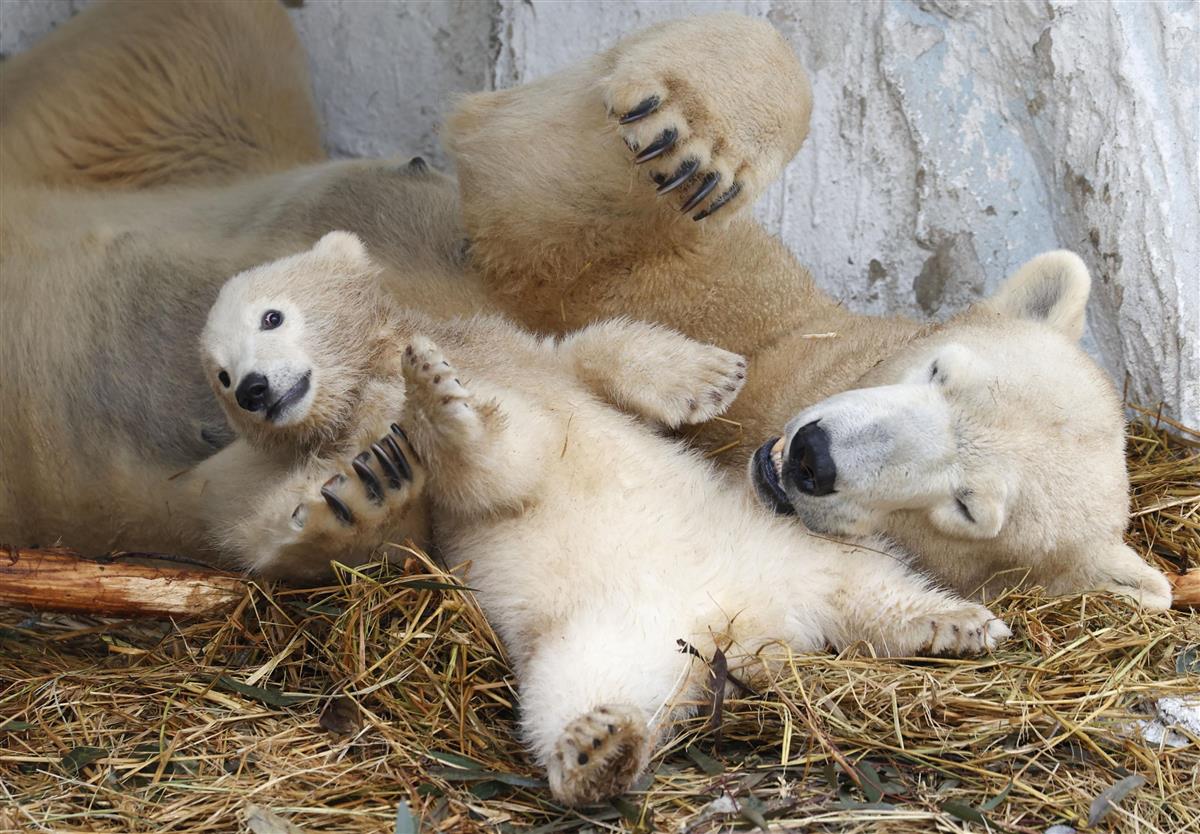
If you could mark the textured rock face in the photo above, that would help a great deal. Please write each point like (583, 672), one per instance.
(951, 140)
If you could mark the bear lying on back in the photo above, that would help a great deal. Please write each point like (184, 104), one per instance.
(596, 544)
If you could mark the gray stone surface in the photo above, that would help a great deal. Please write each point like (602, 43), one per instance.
(951, 140)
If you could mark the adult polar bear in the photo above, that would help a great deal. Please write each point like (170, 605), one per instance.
(171, 135)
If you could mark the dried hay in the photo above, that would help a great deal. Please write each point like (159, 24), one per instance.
(330, 710)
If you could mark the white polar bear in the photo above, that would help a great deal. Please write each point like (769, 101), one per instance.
(596, 544)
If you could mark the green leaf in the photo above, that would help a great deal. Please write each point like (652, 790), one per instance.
(1188, 662)
(273, 697)
(627, 809)
(452, 774)
(12, 725)
(456, 759)
(706, 763)
(406, 823)
(751, 810)
(994, 803)
(432, 585)
(80, 757)
(1103, 803)
(486, 790)
(963, 812)
(872, 785)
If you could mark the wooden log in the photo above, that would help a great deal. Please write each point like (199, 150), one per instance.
(58, 579)
(1185, 589)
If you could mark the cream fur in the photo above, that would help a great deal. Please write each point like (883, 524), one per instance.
(106, 288)
(570, 238)
(596, 544)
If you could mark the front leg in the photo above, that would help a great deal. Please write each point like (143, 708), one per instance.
(878, 598)
(483, 454)
(284, 521)
(654, 372)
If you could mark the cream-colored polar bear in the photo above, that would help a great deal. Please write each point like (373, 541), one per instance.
(136, 179)
(595, 543)
(990, 446)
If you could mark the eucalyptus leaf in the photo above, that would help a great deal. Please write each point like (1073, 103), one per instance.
(705, 762)
(80, 757)
(962, 811)
(406, 823)
(1111, 795)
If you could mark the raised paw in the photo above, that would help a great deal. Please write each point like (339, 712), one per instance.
(966, 629)
(685, 381)
(362, 495)
(599, 755)
(437, 394)
(711, 108)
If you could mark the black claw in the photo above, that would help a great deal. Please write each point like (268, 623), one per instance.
(706, 186)
(388, 465)
(682, 175)
(658, 147)
(716, 204)
(645, 108)
(370, 480)
(398, 457)
(339, 509)
(399, 432)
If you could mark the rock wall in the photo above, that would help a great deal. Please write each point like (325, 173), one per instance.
(951, 140)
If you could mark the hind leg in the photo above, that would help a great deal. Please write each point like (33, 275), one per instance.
(632, 147)
(597, 698)
(138, 94)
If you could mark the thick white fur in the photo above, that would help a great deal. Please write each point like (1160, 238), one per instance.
(596, 544)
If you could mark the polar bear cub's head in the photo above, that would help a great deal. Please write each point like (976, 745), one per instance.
(288, 344)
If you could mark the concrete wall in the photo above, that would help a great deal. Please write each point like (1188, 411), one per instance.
(951, 140)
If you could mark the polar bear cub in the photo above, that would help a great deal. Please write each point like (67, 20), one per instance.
(597, 544)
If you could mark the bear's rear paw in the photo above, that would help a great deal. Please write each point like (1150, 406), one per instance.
(599, 755)
(713, 109)
(965, 629)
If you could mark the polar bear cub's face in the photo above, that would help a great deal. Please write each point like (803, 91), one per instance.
(287, 343)
(992, 437)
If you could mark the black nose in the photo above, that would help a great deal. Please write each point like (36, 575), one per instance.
(809, 464)
(252, 392)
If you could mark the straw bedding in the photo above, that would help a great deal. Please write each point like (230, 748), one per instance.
(385, 704)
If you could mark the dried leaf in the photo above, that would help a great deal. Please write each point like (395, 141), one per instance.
(406, 823)
(1103, 803)
(262, 821)
(80, 757)
(340, 716)
(706, 763)
(1188, 661)
(273, 697)
(962, 811)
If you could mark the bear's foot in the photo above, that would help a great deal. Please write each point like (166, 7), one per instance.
(599, 755)
(966, 629)
(362, 492)
(713, 108)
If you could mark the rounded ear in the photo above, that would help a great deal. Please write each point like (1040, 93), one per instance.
(1052, 288)
(344, 247)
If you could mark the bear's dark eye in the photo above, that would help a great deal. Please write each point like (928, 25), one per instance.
(271, 319)
(224, 378)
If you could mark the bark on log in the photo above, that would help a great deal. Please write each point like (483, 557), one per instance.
(1185, 589)
(58, 579)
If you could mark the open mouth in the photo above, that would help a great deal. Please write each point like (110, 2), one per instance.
(291, 395)
(766, 468)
